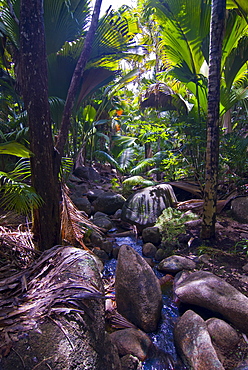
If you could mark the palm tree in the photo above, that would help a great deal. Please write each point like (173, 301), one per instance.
(212, 153)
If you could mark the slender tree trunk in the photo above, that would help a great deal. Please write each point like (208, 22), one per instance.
(212, 153)
(34, 88)
(71, 96)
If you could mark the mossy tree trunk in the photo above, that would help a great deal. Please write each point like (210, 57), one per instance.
(212, 152)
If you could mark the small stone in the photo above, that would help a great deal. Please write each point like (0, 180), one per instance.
(132, 341)
(130, 362)
(149, 250)
(96, 239)
(160, 254)
(151, 235)
(107, 246)
(174, 264)
(101, 254)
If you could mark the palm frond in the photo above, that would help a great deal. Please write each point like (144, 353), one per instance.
(125, 158)
(237, 59)
(15, 148)
(73, 223)
(64, 21)
(137, 181)
(142, 166)
(103, 156)
(18, 196)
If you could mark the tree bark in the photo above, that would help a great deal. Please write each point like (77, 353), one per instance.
(71, 96)
(212, 151)
(34, 88)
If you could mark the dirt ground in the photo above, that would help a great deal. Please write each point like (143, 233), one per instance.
(227, 257)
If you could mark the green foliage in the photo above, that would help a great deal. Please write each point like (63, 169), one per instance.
(15, 149)
(133, 181)
(234, 156)
(15, 193)
(171, 223)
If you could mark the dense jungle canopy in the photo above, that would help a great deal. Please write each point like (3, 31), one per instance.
(149, 89)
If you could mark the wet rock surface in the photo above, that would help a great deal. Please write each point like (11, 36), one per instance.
(138, 293)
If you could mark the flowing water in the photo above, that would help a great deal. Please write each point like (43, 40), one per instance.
(165, 352)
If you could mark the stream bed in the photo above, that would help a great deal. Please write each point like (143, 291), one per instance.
(163, 337)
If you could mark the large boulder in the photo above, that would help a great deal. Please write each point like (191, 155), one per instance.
(58, 319)
(144, 206)
(87, 173)
(108, 202)
(207, 290)
(194, 343)
(138, 292)
(239, 207)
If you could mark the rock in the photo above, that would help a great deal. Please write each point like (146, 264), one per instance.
(68, 339)
(107, 246)
(115, 251)
(160, 254)
(132, 341)
(96, 239)
(207, 290)
(87, 173)
(103, 222)
(245, 267)
(108, 203)
(101, 254)
(194, 343)
(144, 206)
(117, 214)
(80, 190)
(174, 264)
(151, 235)
(94, 193)
(82, 203)
(130, 362)
(138, 293)
(222, 334)
(149, 250)
(239, 207)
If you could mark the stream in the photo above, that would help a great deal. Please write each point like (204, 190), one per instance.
(163, 337)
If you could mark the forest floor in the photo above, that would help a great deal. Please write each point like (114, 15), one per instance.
(227, 254)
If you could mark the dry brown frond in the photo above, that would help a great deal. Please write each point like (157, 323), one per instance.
(74, 223)
(16, 248)
(49, 286)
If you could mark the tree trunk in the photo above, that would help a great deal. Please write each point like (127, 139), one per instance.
(71, 96)
(34, 88)
(212, 152)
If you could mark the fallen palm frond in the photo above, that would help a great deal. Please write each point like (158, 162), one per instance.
(43, 289)
(16, 249)
(117, 321)
(196, 205)
(74, 223)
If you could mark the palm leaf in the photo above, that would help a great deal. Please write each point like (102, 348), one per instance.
(125, 158)
(137, 181)
(73, 223)
(103, 156)
(142, 166)
(16, 149)
(236, 62)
